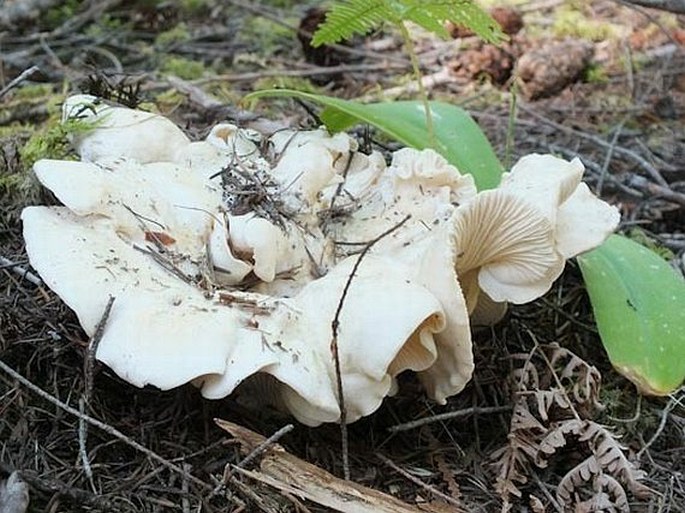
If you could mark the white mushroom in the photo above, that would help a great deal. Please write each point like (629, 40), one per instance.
(113, 131)
(257, 240)
(225, 146)
(513, 241)
(309, 161)
(229, 262)
(157, 202)
(221, 340)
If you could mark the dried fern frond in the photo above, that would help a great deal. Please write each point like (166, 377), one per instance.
(556, 438)
(511, 465)
(611, 457)
(525, 377)
(608, 494)
(522, 420)
(585, 378)
(555, 393)
(512, 462)
(604, 468)
(546, 400)
(446, 472)
(566, 383)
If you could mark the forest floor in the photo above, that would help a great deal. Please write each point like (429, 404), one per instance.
(150, 451)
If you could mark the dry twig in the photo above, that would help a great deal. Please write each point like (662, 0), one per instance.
(334, 343)
(18, 80)
(450, 500)
(24, 273)
(475, 410)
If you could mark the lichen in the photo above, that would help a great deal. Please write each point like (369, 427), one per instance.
(571, 22)
(183, 68)
(178, 34)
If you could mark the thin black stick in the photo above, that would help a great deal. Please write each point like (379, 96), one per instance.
(476, 410)
(334, 346)
(89, 361)
(451, 500)
(88, 365)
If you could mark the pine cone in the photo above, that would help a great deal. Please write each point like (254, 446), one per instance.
(549, 69)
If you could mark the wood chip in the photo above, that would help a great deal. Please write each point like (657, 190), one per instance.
(288, 473)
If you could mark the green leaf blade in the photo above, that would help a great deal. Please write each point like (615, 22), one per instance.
(458, 137)
(639, 305)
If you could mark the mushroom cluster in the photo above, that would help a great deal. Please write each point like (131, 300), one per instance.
(238, 258)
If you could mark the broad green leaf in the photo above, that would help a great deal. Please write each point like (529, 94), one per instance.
(639, 305)
(458, 137)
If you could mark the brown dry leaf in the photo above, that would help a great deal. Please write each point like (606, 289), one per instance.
(547, 70)
(288, 473)
(162, 238)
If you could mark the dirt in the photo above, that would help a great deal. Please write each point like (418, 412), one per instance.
(622, 114)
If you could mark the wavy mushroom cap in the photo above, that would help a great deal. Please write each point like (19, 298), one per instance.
(122, 132)
(222, 287)
(220, 340)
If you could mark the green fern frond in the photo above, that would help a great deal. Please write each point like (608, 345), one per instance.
(432, 15)
(350, 17)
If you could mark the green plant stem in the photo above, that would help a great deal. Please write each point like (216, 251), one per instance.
(511, 126)
(408, 43)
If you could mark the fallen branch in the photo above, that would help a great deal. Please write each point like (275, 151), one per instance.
(289, 474)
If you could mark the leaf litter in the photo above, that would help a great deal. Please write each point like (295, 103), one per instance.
(537, 430)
